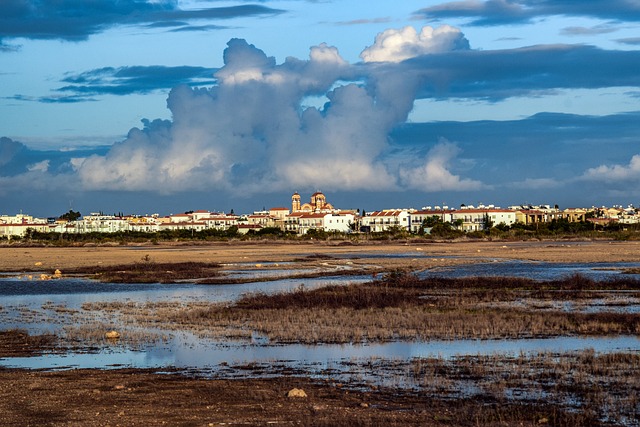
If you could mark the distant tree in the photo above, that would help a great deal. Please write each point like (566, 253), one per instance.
(71, 215)
(430, 221)
(488, 224)
(232, 231)
(29, 233)
(502, 227)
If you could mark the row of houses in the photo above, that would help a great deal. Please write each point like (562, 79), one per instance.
(317, 216)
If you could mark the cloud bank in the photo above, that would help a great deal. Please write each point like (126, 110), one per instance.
(500, 12)
(250, 131)
(629, 173)
(74, 20)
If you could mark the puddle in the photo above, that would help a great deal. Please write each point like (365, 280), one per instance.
(187, 351)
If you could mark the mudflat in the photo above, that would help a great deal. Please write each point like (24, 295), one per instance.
(144, 398)
(25, 258)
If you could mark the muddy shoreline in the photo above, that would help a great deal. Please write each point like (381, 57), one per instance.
(18, 258)
(145, 398)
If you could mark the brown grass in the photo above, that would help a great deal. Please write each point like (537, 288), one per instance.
(149, 272)
(17, 342)
(397, 308)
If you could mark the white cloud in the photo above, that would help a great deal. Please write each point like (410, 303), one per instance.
(434, 174)
(76, 162)
(326, 54)
(398, 45)
(616, 172)
(251, 133)
(42, 166)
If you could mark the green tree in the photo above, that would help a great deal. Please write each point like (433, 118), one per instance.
(431, 221)
(488, 224)
(71, 215)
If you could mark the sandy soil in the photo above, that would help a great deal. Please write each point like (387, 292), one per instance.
(18, 258)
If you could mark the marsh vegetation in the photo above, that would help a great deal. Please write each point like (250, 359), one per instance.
(402, 307)
(147, 271)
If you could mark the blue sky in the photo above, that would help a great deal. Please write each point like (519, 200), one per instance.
(167, 105)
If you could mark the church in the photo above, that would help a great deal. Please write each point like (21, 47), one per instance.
(318, 203)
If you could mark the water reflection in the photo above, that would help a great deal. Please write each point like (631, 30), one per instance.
(24, 295)
(188, 352)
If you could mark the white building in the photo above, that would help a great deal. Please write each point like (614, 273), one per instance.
(220, 221)
(380, 221)
(302, 222)
(96, 223)
(418, 217)
(476, 219)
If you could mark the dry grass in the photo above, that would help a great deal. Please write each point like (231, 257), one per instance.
(148, 271)
(398, 308)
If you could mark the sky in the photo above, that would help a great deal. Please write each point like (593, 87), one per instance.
(166, 106)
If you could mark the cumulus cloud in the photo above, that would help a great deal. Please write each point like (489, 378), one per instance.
(435, 174)
(398, 45)
(615, 173)
(42, 166)
(250, 132)
(253, 130)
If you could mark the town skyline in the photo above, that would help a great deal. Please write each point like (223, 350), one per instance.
(163, 105)
(261, 206)
(318, 215)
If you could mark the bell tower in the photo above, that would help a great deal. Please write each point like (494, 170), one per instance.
(295, 202)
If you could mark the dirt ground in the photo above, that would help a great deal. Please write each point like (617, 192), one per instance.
(141, 398)
(138, 397)
(19, 258)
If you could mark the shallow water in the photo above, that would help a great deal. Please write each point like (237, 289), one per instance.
(187, 351)
(536, 270)
(183, 350)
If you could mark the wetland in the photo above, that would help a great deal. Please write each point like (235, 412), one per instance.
(483, 333)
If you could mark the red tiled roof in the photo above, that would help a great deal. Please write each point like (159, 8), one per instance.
(484, 211)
